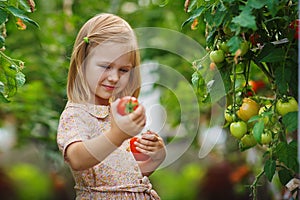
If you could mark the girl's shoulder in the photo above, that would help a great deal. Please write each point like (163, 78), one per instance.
(98, 111)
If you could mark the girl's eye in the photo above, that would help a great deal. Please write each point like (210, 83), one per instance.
(124, 70)
(104, 66)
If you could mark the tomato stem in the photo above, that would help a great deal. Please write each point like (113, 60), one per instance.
(254, 184)
(233, 90)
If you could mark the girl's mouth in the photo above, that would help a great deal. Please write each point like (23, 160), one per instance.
(109, 87)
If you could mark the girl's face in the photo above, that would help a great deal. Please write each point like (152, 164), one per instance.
(107, 71)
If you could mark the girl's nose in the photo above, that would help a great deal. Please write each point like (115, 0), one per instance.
(113, 75)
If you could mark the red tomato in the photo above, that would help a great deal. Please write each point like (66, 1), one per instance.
(255, 39)
(257, 85)
(137, 155)
(294, 25)
(127, 105)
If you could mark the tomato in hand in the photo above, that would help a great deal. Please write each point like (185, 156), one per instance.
(137, 155)
(248, 109)
(127, 105)
(284, 106)
(238, 129)
(217, 56)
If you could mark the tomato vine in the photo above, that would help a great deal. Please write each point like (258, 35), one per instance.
(260, 42)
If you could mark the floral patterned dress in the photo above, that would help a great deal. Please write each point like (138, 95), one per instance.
(118, 176)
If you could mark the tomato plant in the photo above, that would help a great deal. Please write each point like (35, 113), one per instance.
(11, 76)
(127, 105)
(262, 38)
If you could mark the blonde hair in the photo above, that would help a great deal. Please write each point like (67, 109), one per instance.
(97, 30)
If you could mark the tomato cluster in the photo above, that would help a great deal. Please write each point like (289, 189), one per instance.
(253, 122)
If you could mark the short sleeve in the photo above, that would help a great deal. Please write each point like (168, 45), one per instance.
(73, 127)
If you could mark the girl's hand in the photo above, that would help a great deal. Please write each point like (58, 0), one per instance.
(128, 125)
(151, 144)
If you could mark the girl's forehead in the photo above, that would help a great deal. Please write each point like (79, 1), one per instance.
(111, 51)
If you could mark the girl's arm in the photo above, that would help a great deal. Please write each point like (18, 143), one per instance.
(153, 146)
(85, 154)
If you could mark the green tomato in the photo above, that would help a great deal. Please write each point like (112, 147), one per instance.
(244, 48)
(284, 107)
(238, 129)
(217, 56)
(223, 46)
(261, 112)
(247, 141)
(229, 116)
(266, 138)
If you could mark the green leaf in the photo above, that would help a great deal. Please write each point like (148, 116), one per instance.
(24, 5)
(287, 153)
(268, 47)
(20, 14)
(257, 4)
(254, 118)
(225, 73)
(196, 13)
(275, 55)
(290, 121)
(3, 16)
(258, 130)
(211, 36)
(282, 77)
(273, 6)
(234, 43)
(218, 17)
(269, 168)
(245, 19)
(20, 78)
(284, 176)
(3, 98)
(1, 87)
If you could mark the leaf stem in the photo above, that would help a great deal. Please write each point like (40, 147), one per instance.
(264, 70)
(253, 187)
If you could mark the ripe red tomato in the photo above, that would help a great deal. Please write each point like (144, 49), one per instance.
(248, 109)
(127, 105)
(257, 85)
(255, 39)
(294, 25)
(137, 155)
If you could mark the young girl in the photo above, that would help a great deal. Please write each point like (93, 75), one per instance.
(92, 136)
